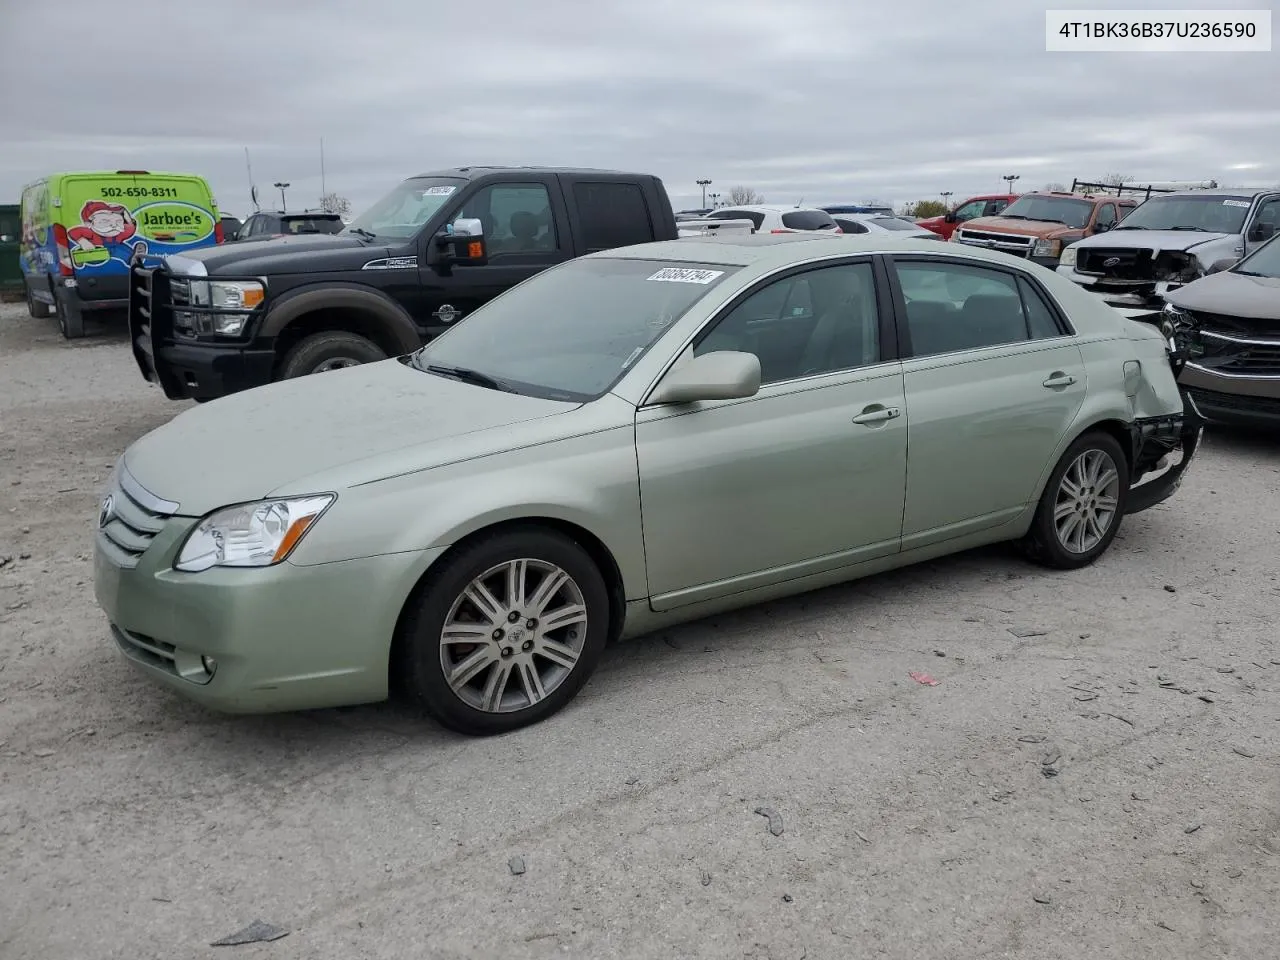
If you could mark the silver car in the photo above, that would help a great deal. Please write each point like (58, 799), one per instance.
(622, 442)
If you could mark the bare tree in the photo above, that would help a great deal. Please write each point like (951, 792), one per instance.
(333, 203)
(743, 196)
(1116, 179)
(1055, 187)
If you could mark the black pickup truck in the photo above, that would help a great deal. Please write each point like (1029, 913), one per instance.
(238, 315)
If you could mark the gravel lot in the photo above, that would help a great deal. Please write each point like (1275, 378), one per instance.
(1048, 799)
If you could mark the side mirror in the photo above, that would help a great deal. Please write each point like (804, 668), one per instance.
(462, 243)
(722, 375)
(1224, 264)
(950, 217)
(1102, 227)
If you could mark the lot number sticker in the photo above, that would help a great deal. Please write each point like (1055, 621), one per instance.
(681, 275)
(443, 191)
(1235, 203)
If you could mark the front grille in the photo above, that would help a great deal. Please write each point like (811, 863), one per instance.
(1212, 399)
(1013, 243)
(1130, 264)
(1236, 326)
(149, 650)
(132, 519)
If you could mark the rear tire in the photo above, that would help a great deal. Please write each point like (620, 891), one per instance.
(331, 350)
(1082, 505)
(507, 673)
(71, 324)
(38, 309)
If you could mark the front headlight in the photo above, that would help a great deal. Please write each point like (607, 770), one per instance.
(251, 534)
(1068, 257)
(1047, 248)
(234, 299)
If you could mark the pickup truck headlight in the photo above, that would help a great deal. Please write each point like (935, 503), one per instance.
(1047, 248)
(233, 299)
(1068, 258)
(257, 534)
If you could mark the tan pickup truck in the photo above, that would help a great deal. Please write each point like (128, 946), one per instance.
(1039, 225)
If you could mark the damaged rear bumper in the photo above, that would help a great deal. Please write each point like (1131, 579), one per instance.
(1155, 438)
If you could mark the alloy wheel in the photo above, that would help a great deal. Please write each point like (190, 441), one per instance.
(1088, 498)
(514, 634)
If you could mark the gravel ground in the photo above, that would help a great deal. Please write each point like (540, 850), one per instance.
(1049, 798)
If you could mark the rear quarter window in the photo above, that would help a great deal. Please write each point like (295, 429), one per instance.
(808, 220)
(612, 214)
(754, 216)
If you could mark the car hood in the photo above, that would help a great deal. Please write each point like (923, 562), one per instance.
(1150, 239)
(1232, 295)
(313, 252)
(381, 417)
(1023, 228)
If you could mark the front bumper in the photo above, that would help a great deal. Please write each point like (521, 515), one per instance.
(287, 637)
(1137, 296)
(202, 372)
(1154, 438)
(1237, 400)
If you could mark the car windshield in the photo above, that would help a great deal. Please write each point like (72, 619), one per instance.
(571, 332)
(895, 223)
(403, 211)
(1263, 262)
(1068, 210)
(1215, 214)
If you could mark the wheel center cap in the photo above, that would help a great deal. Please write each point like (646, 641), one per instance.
(516, 634)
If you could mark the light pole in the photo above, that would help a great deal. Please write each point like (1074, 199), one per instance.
(1009, 178)
(946, 198)
(715, 200)
(703, 184)
(281, 186)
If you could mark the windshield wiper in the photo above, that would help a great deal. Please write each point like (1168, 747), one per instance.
(1197, 229)
(1012, 216)
(362, 232)
(1129, 226)
(467, 375)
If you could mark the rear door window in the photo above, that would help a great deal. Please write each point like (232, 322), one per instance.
(808, 220)
(612, 214)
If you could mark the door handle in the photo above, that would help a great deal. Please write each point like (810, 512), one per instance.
(1059, 379)
(873, 415)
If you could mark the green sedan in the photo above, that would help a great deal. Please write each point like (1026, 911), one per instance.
(628, 440)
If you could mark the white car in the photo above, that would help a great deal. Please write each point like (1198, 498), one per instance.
(777, 218)
(882, 224)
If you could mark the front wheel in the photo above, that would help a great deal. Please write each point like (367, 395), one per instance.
(331, 350)
(507, 633)
(1082, 505)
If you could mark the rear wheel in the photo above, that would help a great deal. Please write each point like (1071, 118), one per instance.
(1082, 504)
(507, 633)
(331, 350)
(37, 308)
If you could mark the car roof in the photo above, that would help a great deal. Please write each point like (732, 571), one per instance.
(473, 171)
(1218, 192)
(770, 208)
(770, 250)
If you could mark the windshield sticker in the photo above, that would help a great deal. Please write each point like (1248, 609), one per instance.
(443, 191)
(635, 355)
(682, 275)
(1235, 203)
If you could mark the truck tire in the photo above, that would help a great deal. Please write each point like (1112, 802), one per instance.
(71, 323)
(331, 350)
(38, 309)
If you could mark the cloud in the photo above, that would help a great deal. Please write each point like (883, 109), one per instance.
(813, 99)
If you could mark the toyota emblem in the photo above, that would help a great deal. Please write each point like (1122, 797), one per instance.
(1111, 262)
(106, 511)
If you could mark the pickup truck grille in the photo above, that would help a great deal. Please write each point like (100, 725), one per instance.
(1129, 264)
(1013, 243)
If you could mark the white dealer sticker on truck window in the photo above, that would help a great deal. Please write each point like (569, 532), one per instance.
(438, 191)
(678, 275)
(1235, 203)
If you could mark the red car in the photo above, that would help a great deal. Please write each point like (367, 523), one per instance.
(985, 206)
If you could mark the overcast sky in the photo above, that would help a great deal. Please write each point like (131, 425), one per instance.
(814, 100)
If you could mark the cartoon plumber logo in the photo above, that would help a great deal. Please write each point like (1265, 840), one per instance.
(105, 232)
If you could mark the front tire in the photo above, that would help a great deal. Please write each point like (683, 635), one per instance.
(506, 634)
(1082, 505)
(331, 350)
